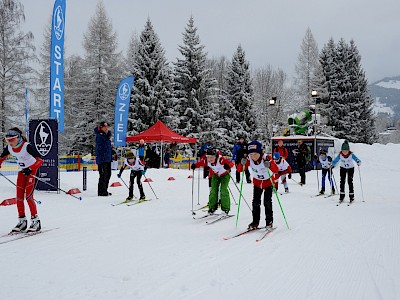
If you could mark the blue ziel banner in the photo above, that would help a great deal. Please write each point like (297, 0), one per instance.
(57, 64)
(121, 110)
(43, 135)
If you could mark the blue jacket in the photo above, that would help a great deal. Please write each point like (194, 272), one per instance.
(103, 146)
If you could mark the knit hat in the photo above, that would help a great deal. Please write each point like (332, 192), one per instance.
(130, 153)
(254, 146)
(211, 151)
(276, 156)
(322, 151)
(345, 145)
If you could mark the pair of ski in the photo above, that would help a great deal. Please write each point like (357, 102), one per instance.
(325, 196)
(348, 204)
(264, 234)
(219, 218)
(14, 236)
(130, 202)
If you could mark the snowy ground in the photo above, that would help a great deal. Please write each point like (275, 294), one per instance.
(155, 250)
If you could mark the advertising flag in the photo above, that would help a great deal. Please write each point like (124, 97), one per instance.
(122, 102)
(57, 64)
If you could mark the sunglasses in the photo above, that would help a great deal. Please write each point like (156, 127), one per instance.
(11, 138)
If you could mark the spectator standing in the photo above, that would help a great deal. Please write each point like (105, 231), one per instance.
(103, 157)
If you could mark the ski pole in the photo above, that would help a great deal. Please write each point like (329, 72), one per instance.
(239, 191)
(233, 197)
(193, 213)
(317, 178)
(150, 186)
(59, 189)
(240, 197)
(334, 181)
(296, 181)
(359, 174)
(8, 179)
(126, 186)
(198, 186)
(277, 197)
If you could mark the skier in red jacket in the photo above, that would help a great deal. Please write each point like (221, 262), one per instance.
(29, 161)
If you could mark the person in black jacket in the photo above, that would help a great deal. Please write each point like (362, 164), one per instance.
(103, 157)
(301, 153)
(239, 152)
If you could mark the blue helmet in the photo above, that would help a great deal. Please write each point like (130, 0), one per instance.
(277, 156)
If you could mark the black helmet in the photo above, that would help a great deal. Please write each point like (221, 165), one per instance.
(211, 151)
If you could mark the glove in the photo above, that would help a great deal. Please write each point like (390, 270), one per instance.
(227, 167)
(119, 175)
(267, 164)
(243, 161)
(329, 158)
(290, 176)
(27, 171)
(144, 172)
(359, 163)
(193, 166)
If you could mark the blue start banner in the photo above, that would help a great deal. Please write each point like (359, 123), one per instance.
(43, 135)
(57, 64)
(121, 111)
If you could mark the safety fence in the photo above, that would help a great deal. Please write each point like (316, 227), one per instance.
(76, 163)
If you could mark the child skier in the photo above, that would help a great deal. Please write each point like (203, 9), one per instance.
(325, 162)
(137, 167)
(284, 168)
(347, 159)
(259, 163)
(219, 168)
(29, 161)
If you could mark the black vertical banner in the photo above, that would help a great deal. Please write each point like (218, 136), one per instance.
(43, 135)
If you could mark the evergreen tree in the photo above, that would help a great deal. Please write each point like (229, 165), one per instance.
(103, 71)
(345, 99)
(16, 51)
(193, 87)
(40, 109)
(153, 83)
(240, 95)
(306, 66)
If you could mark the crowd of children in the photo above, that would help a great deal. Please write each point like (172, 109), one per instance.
(266, 170)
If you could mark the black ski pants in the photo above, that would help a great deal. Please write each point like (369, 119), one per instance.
(349, 173)
(257, 192)
(138, 176)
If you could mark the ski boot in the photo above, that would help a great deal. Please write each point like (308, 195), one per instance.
(35, 225)
(21, 226)
(252, 226)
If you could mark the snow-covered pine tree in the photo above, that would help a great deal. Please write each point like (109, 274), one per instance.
(153, 83)
(193, 86)
(40, 107)
(345, 98)
(307, 63)
(103, 70)
(75, 109)
(240, 95)
(220, 106)
(16, 51)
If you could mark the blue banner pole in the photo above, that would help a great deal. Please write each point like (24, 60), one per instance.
(57, 64)
(122, 103)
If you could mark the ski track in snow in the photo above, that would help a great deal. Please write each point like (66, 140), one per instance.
(155, 250)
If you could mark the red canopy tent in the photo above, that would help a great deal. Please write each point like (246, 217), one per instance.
(159, 132)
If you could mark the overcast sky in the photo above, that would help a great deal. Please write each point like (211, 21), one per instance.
(270, 31)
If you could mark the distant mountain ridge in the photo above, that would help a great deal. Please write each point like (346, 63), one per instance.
(387, 92)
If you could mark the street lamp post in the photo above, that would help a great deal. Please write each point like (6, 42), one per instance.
(314, 94)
